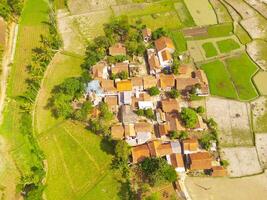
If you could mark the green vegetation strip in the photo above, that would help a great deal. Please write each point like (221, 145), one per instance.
(210, 50)
(179, 40)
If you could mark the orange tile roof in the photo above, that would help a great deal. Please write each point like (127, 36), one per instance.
(139, 153)
(153, 62)
(185, 83)
(119, 67)
(166, 80)
(97, 70)
(117, 131)
(164, 129)
(169, 105)
(125, 85)
(108, 85)
(143, 127)
(218, 171)
(164, 149)
(149, 81)
(177, 160)
(111, 100)
(137, 81)
(117, 49)
(200, 74)
(129, 130)
(166, 55)
(174, 121)
(200, 161)
(190, 144)
(183, 69)
(164, 42)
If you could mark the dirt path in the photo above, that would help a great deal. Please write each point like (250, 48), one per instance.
(8, 58)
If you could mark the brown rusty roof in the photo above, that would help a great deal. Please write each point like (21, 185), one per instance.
(200, 74)
(164, 42)
(137, 81)
(164, 129)
(119, 67)
(117, 131)
(218, 171)
(185, 83)
(190, 144)
(139, 153)
(108, 85)
(149, 81)
(177, 160)
(117, 49)
(166, 80)
(153, 62)
(169, 105)
(143, 127)
(200, 160)
(111, 100)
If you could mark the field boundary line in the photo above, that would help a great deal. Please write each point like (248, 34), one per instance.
(86, 152)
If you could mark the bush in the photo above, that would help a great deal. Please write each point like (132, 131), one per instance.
(224, 163)
(189, 117)
(149, 113)
(159, 33)
(153, 91)
(200, 109)
(174, 93)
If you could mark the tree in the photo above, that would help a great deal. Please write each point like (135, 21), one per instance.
(122, 75)
(149, 113)
(140, 112)
(122, 151)
(153, 91)
(158, 33)
(157, 171)
(189, 117)
(61, 106)
(174, 93)
(200, 109)
(173, 135)
(183, 135)
(206, 139)
(212, 124)
(224, 163)
(82, 113)
(105, 114)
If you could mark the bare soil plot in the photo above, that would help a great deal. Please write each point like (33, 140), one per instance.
(83, 6)
(247, 188)
(242, 8)
(233, 120)
(261, 141)
(259, 115)
(201, 11)
(197, 31)
(195, 51)
(256, 27)
(243, 161)
(257, 50)
(260, 6)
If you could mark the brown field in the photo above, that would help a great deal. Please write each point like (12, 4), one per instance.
(259, 115)
(261, 141)
(247, 188)
(198, 31)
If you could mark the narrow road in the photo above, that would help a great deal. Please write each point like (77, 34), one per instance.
(8, 58)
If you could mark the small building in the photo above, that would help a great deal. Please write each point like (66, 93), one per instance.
(165, 48)
(176, 160)
(124, 85)
(120, 67)
(100, 71)
(108, 87)
(147, 33)
(174, 121)
(204, 84)
(117, 49)
(140, 153)
(137, 83)
(170, 105)
(153, 62)
(186, 84)
(127, 115)
(149, 81)
(200, 161)
(160, 116)
(190, 146)
(117, 132)
(144, 105)
(94, 91)
(129, 130)
(218, 171)
(143, 127)
(166, 81)
(126, 97)
(163, 129)
(112, 102)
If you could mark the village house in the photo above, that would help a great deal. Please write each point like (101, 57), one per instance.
(218, 171)
(177, 161)
(140, 97)
(169, 105)
(112, 102)
(186, 84)
(137, 83)
(190, 146)
(165, 49)
(120, 67)
(117, 50)
(108, 87)
(94, 92)
(160, 116)
(124, 88)
(174, 121)
(200, 161)
(147, 33)
(100, 71)
(166, 81)
(149, 81)
(153, 62)
(204, 84)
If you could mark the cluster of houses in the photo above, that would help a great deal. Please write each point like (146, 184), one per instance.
(150, 137)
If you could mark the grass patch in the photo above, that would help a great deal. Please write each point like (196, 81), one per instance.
(242, 35)
(210, 50)
(219, 80)
(179, 40)
(227, 45)
(60, 4)
(72, 150)
(220, 30)
(241, 69)
(184, 14)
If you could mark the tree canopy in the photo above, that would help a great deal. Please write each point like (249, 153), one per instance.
(153, 91)
(189, 117)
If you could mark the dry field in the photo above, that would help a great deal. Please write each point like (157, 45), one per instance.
(259, 6)
(201, 11)
(259, 115)
(221, 12)
(243, 161)
(247, 188)
(256, 27)
(242, 8)
(233, 120)
(260, 80)
(257, 50)
(261, 141)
